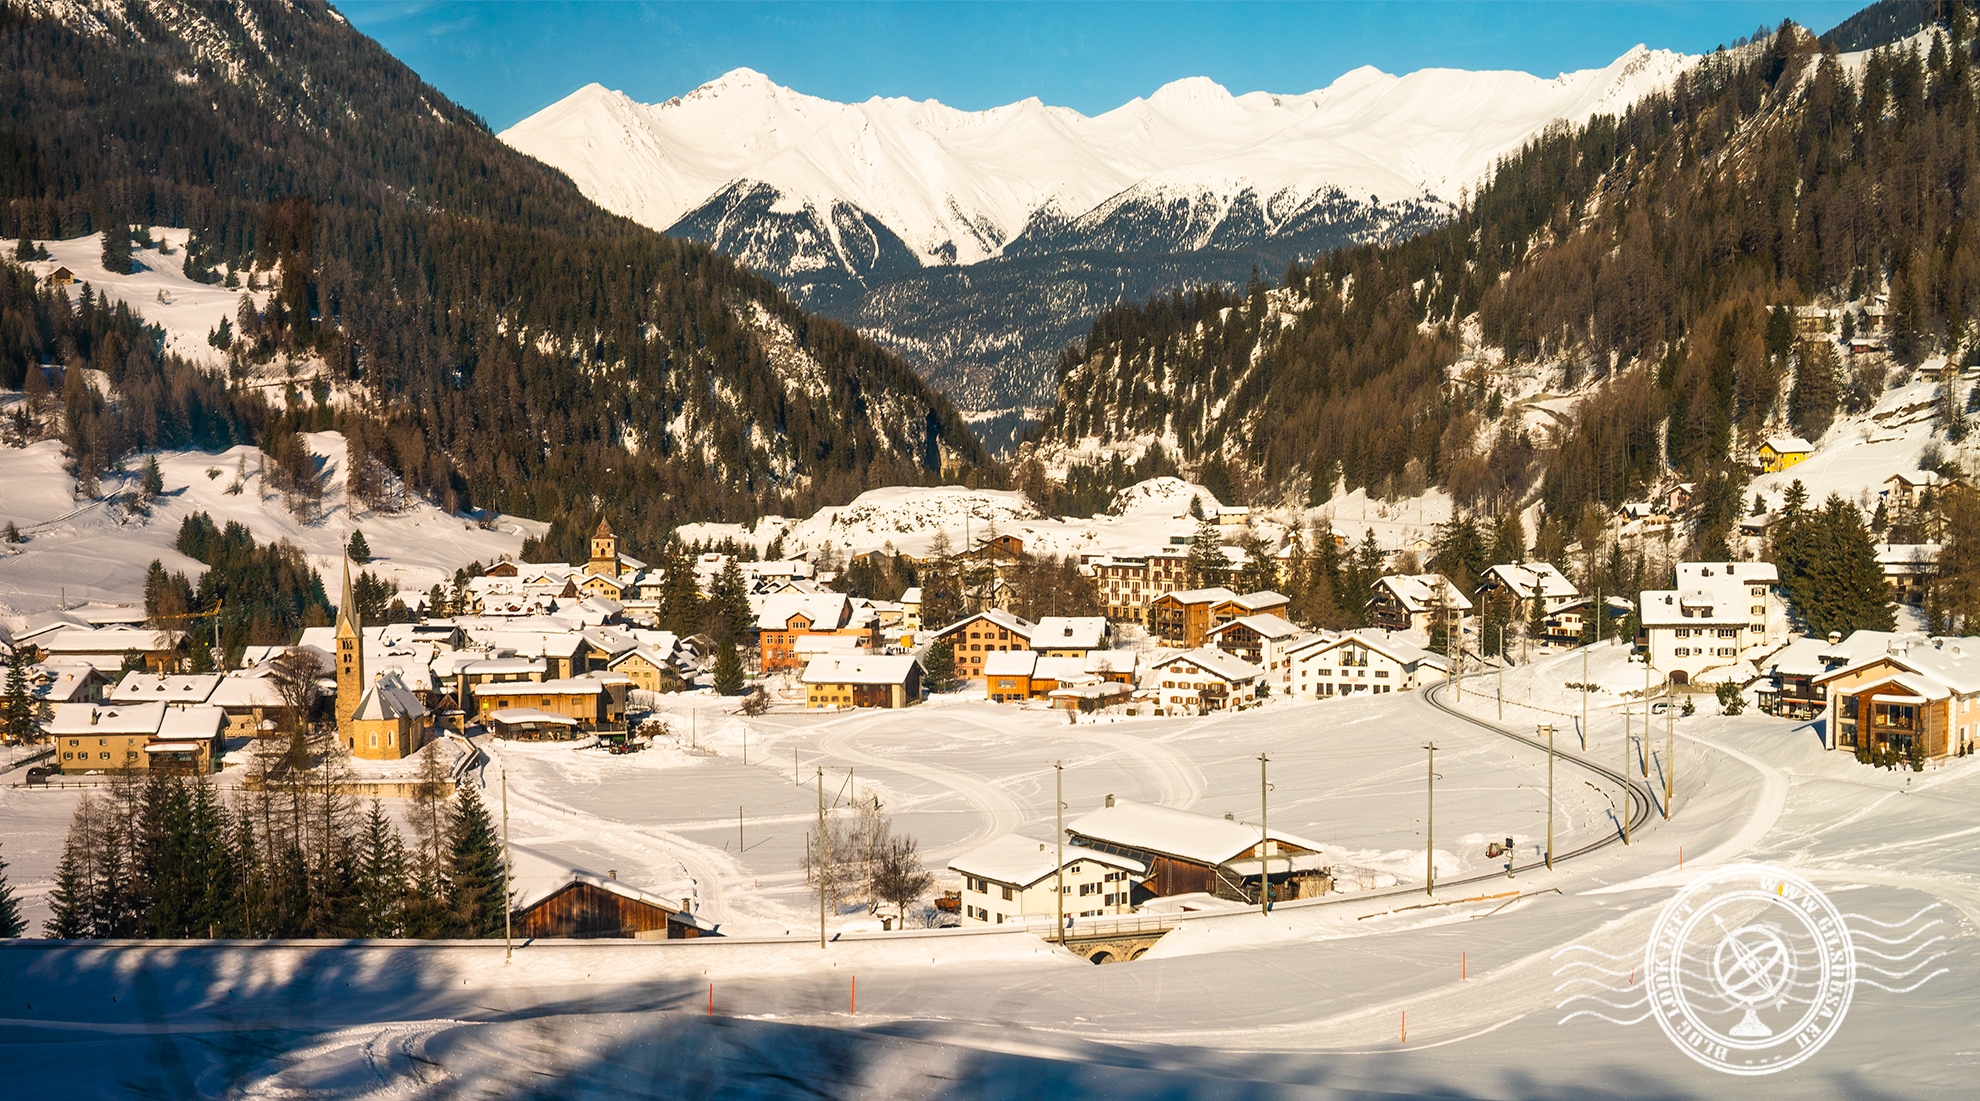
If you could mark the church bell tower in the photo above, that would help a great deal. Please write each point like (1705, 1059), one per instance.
(350, 658)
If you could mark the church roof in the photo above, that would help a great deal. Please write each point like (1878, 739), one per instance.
(604, 530)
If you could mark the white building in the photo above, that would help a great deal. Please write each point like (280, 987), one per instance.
(1718, 611)
(1208, 679)
(1012, 879)
(1369, 661)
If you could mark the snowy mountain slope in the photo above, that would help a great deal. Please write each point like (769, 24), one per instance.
(97, 551)
(978, 243)
(959, 186)
(157, 288)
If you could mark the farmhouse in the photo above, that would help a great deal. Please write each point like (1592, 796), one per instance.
(1366, 662)
(553, 900)
(1718, 610)
(135, 738)
(862, 680)
(1780, 452)
(783, 619)
(1196, 682)
(1019, 879)
(1416, 602)
(1187, 852)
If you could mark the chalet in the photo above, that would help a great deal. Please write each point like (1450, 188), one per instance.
(135, 738)
(1091, 696)
(1679, 497)
(60, 277)
(50, 686)
(1196, 682)
(1417, 602)
(1233, 516)
(554, 901)
(1258, 639)
(1370, 661)
(1018, 879)
(1780, 452)
(782, 620)
(1908, 569)
(1718, 610)
(973, 637)
(1184, 618)
(1057, 636)
(863, 680)
(1810, 321)
(1002, 550)
(1536, 585)
(1918, 693)
(1906, 489)
(1187, 852)
(611, 588)
(596, 702)
(649, 669)
(911, 611)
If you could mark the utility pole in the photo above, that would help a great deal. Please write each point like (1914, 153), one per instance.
(1457, 636)
(1670, 746)
(1430, 824)
(1264, 841)
(1549, 728)
(1629, 787)
(1059, 876)
(1502, 672)
(508, 911)
(1643, 751)
(1584, 697)
(823, 852)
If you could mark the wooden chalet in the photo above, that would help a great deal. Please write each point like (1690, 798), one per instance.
(570, 903)
(1188, 853)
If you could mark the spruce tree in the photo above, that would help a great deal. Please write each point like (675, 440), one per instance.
(17, 709)
(382, 875)
(474, 868)
(1205, 562)
(939, 662)
(728, 603)
(728, 669)
(360, 551)
(11, 922)
(117, 248)
(72, 904)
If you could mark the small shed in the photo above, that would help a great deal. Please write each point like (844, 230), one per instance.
(554, 899)
(60, 277)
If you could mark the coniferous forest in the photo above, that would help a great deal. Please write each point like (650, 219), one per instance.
(515, 346)
(1659, 255)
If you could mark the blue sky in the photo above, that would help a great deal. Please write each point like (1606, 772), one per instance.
(508, 60)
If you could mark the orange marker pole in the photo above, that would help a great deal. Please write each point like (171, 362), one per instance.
(1464, 972)
(853, 1009)
(711, 999)
(1405, 1026)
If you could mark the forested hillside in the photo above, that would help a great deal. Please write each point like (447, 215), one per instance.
(509, 344)
(1650, 261)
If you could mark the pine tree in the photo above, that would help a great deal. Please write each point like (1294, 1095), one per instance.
(11, 922)
(73, 904)
(728, 669)
(939, 662)
(18, 722)
(153, 482)
(728, 603)
(117, 247)
(474, 868)
(1205, 562)
(359, 550)
(382, 875)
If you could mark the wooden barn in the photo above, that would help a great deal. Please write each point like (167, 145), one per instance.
(1188, 853)
(568, 903)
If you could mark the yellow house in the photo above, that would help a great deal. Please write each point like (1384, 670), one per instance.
(1781, 452)
(649, 669)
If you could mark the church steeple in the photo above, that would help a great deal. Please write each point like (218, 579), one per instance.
(350, 657)
(604, 551)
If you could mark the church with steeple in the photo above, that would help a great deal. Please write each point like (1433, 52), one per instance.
(380, 718)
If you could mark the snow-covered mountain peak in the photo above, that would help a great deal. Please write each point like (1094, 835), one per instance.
(1192, 93)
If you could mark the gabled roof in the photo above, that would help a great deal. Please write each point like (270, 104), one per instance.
(1082, 632)
(1530, 579)
(861, 669)
(1010, 663)
(652, 655)
(1171, 832)
(1022, 861)
(1422, 592)
(826, 611)
(1267, 626)
(180, 688)
(73, 719)
(1016, 625)
(1263, 598)
(388, 698)
(1216, 594)
(1788, 445)
(1217, 663)
(563, 686)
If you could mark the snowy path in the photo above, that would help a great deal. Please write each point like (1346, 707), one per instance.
(999, 811)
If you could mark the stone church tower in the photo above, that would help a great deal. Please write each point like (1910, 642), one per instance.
(350, 658)
(604, 551)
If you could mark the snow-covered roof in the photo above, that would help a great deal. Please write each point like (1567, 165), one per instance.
(535, 875)
(388, 698)
(1908, 557)
(192, 722)
(1267, 626)
(652, 655)
(1055, 632)
(238, 691)
(1215, 662)
(1016, 625)
(1058, 669)
(1419, 592)
(911, 595)
(1216, 594)
(490, 667)
(1171, 832)
(71, 719)
(169, 687)
(823, 610)
(1021, 861)
(564, 686)
(1788, 445)
(1530, 579)
(108, 640)
(516, 716)
(1387, 643)
(1263, 598)
(1954, 662)
(1009, 663)
(1913, 478)
(860, 669)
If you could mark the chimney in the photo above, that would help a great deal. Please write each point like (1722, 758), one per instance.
(612, 873)
(1229, 817)
(1835, 637)
(687, 905)
(1110, 799)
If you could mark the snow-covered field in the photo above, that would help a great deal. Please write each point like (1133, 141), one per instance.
(95, 550)
(1311, 1001)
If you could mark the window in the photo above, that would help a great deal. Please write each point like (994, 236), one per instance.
(1007, 894)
